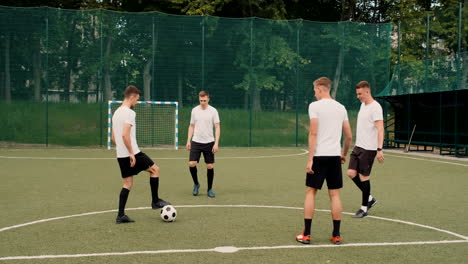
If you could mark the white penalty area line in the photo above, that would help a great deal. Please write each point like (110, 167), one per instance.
(231, 249)
(175, 158)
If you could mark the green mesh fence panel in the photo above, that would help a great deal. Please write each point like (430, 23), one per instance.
(443, 74)
(429, 95)
(156, 124)
(60, 67)
(432, 96)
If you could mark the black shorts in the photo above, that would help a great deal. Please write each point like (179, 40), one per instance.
(326, 167)
(361, 160)
(143, 162)
(206, 148)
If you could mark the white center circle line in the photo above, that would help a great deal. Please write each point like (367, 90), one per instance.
(232, 249)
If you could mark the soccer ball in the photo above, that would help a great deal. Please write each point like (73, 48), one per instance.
(168, 213)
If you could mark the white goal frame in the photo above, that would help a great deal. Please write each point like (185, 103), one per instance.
(176, 120)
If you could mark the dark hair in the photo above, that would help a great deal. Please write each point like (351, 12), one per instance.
(131, 89)
(363, 84)
(203, 94)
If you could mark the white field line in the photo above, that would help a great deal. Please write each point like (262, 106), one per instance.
(230, 249)
(426, 159)
(245, 157)
(175, 158)
(235, 249)
(232, 206)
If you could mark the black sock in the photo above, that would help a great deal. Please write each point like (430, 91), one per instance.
(307, 226)
(358, 182)
(365, 192)
(123, 200)
(154, 183)
(210, 177)
(336, 227)
(193, 172)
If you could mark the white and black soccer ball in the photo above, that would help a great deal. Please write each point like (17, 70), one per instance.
(168, 213)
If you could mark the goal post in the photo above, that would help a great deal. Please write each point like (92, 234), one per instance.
(157, 123)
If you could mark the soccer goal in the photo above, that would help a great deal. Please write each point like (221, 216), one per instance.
(157, 123)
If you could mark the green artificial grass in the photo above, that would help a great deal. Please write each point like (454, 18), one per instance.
(40, 184)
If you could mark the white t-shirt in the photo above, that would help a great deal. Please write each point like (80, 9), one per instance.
(124, 115)
(331, 115)
(366, 132)
(204, 121)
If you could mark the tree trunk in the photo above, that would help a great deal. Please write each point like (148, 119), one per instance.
(37, 72)
(347, 10)
(92, 86)
(180, 89)
(464, 76)
(257, 106)
(336, 79)
(107, 87)
(246, 100)
(107, 80)
(7, 70)
(71, 84)
(147, 81)
(71, 62)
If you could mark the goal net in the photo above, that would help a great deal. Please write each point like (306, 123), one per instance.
(156, 123)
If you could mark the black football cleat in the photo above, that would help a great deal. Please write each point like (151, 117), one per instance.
(159, 204)
(360, 214)
(123, 219)
(371, 203)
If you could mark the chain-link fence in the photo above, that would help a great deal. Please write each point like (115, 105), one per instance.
(429, 97)
(60, 67)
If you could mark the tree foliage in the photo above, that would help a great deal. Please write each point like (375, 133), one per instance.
(99, 50)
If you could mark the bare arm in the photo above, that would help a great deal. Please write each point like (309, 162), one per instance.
(380, 139)
(189, 136)
(347, 142)
(313, 130)
(217, 135)
(128, 143)
(112, 136)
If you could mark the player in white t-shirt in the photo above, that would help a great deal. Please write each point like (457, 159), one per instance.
(368, 146)
(131, 160)
(201, 140)
(328, 119)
